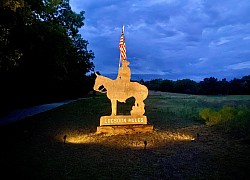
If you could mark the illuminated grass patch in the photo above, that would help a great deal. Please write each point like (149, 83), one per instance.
(153, 140)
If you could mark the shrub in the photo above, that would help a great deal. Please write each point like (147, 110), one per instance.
(228, 113)
(214, 118)
(210, 116)
(241, 124)
(231, 119)
(205, 113)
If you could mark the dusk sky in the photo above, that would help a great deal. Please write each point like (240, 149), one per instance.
(175, 39)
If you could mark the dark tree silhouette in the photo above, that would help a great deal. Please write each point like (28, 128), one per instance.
(42, 55)
(209, 86)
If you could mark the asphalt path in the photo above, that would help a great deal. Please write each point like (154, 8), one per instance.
(19, 114)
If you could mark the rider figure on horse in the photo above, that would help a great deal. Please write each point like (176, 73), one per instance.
(123, 80)
(124, 73)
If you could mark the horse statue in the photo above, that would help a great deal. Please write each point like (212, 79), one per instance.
(119, 90)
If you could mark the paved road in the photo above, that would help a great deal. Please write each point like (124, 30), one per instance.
(23, 113)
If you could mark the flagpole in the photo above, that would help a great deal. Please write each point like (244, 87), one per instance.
(120, 51)
(123, 32)
(120, 61)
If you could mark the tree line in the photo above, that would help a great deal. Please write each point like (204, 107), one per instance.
(208, 86)
(43, 57)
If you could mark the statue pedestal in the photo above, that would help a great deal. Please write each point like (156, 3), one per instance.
(123, 124)
(125, 129)
(122, 120)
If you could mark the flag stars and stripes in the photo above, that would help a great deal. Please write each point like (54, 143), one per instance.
(122, 46)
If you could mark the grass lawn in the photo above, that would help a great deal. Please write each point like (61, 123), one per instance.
(33, 148)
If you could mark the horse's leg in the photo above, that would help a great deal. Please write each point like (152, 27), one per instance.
(141, 104)
(136, 103)
(114, 107)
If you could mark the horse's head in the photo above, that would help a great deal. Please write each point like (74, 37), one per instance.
(99, 84)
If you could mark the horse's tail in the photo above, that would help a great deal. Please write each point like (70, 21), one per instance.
(142, 90)
(145, 90)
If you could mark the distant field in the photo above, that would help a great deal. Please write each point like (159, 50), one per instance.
(180, 109)
(34, 148)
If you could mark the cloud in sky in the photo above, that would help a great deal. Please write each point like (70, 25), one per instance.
(239, 66)
(174, 38)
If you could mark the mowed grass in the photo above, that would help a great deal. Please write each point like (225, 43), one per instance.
(34, 149)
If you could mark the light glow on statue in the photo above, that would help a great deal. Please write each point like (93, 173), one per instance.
(120, 90)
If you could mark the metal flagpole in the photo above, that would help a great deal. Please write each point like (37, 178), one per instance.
(120, 61)
(119, 47)
(123, 32)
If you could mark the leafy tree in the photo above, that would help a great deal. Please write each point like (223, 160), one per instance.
(235, 86)
(223, 87)
(245, 84)
(167, 85)
(209, 86)
(186, 86)
(154, 84)
(9, 54)
(42, 53)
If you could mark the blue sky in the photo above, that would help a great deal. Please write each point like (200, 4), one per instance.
(175, 39)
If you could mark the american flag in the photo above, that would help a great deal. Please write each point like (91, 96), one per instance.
(122, 46)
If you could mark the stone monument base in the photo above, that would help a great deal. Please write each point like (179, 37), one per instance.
(125, 129)
(122, 120)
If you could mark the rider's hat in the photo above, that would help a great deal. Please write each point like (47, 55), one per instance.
(125, 62)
